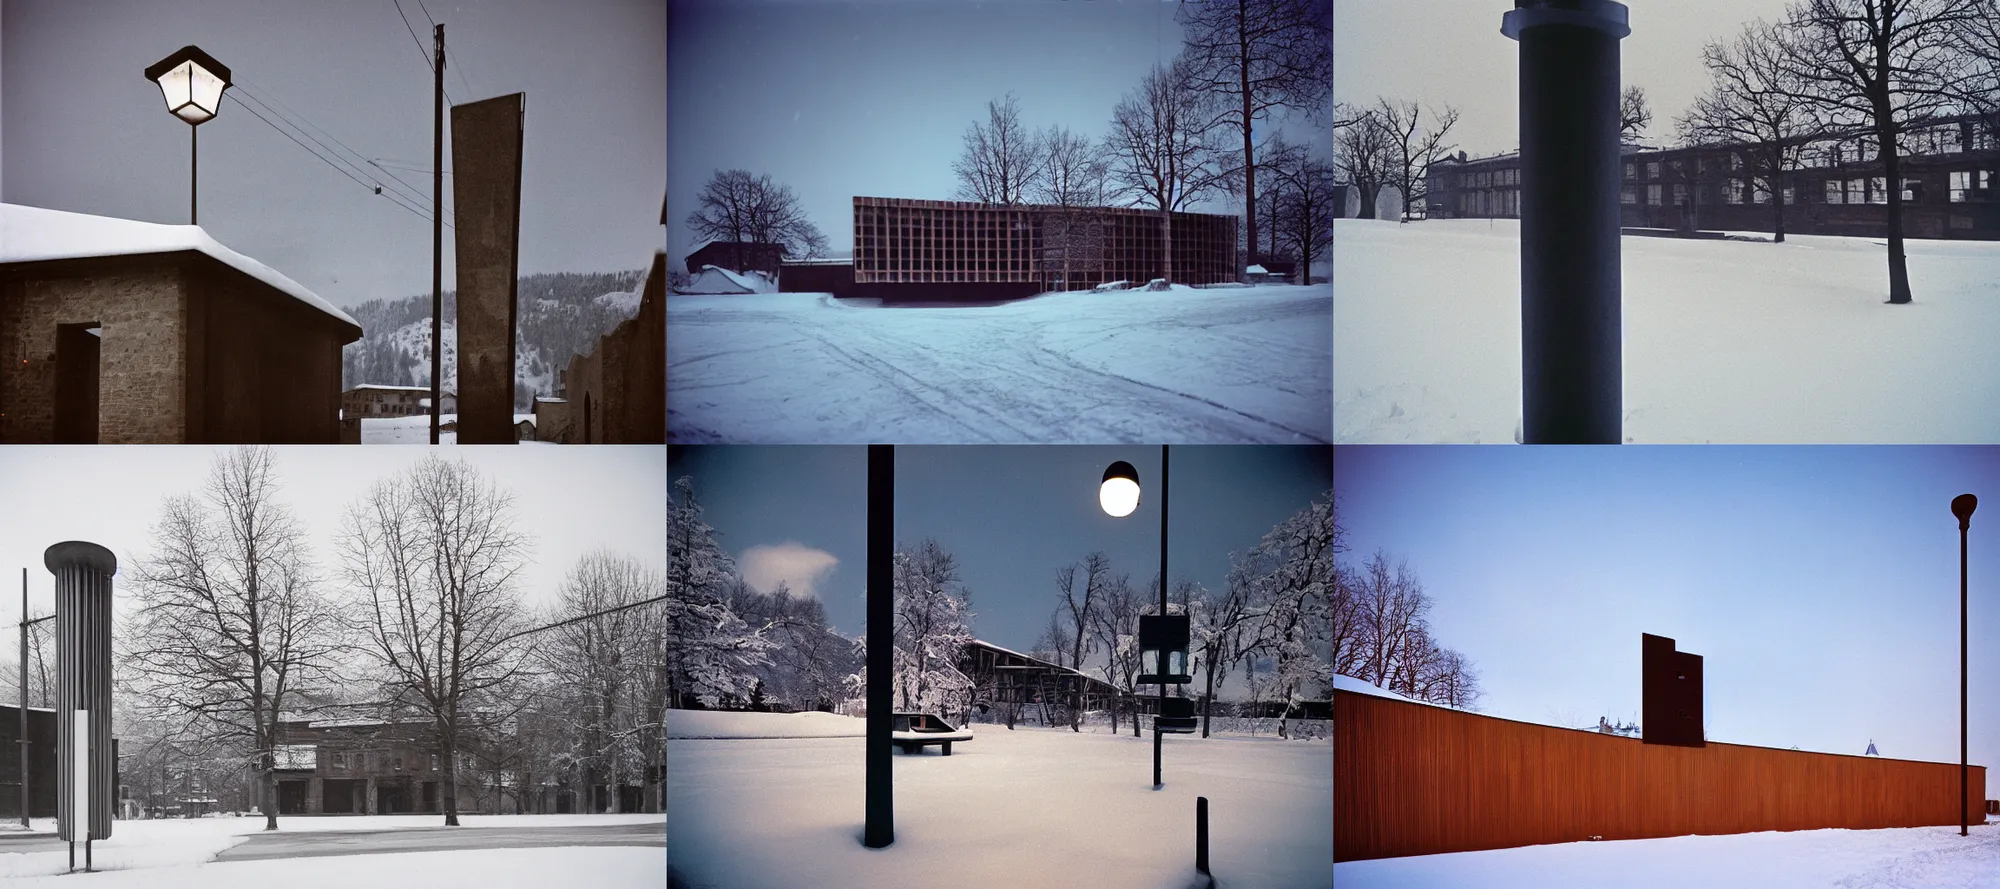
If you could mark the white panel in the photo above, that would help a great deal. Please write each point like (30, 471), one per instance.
(79, 806)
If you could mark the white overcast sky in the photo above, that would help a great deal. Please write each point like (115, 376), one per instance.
(570, 501)
(1452, 52)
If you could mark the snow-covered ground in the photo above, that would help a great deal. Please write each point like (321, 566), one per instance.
(1905, 858)
(1234, 365)
(1725, 341)
(143, 848)
(1029, 807)
(417, 429)
(599, 867)
(719, 724)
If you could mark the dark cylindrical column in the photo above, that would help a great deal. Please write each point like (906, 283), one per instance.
(83, 651)
(1160, 666)
(1571, 364)
(1201, 834)
(881, 825)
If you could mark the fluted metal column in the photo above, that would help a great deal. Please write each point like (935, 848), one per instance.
(83, 573)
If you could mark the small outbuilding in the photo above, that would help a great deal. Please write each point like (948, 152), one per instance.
(120, 331)
(737, 256)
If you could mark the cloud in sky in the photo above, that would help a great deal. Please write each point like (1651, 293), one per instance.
(801, 567)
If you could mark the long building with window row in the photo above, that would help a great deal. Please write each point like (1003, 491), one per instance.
(1949, 172)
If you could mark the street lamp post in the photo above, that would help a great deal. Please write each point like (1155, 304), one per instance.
(1962, 506)
(1118, 494)
(192, 82)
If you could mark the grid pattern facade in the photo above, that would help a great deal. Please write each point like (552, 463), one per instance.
(898, 241)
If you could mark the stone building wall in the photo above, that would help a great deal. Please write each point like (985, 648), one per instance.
(142, 308)
(617, 393)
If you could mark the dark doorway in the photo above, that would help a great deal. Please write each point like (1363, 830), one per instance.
(430, 796)
(291, 797)
(630, 798)
(77, 349)
(342, 796)
(564, 803)
(392, 800)
(586, 418)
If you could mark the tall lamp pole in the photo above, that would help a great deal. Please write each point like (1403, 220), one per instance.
(1161, 666)
(1962, 506)
(192, 82)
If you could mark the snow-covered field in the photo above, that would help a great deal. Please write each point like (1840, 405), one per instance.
(599, 867)
(719, 724)
(1904, 858)
(1029, 807)
(1234, 365)
(417, 430)
(141, 849)
(1725, 341)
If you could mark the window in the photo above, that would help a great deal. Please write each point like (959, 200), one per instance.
(1911, 189)
(1629, 195)
(1878, 190)
(399, 762)
(1653, 194)
(1857, 191)
(1732, 191)
(1735, 161)
(1759, 194)
(1680, 194)
(1961, 182)
(1788, 194)
(1630, 172)
(434, 762)
(340, 760)
(1653, 171)
(1833, 191)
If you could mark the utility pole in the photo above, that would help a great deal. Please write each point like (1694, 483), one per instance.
(1161, 665)
(437, 233)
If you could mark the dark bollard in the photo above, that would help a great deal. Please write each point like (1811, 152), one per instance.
(1571, 365)
(879, 829)
(1201, 834)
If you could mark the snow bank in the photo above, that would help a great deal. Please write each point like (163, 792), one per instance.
(1364, 687)
(1805, 859)
(722, 724)
(1725, 341)
(1112, 285)
(1019, 808)
(36, 234)
(716, 279)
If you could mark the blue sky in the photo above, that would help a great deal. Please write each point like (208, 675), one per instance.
(873, 98)
(1011, 515)
(1819, 584)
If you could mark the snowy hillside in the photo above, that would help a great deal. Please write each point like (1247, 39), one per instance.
(561, 315)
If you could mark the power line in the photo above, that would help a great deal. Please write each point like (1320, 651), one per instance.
(266, 98)
(429, 63)
(337, 161)
(453, 64)
(583, 617)
(394, 197)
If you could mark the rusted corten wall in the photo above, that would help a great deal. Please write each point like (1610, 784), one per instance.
(1410, 779)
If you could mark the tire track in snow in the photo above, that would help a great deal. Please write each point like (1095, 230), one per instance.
(1128, 381)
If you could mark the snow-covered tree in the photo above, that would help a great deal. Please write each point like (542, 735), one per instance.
(933, 625)
(711, 651)
(1292, 580)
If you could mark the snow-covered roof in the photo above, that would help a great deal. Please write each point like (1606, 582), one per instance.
(37, 234)
(1363, 687)
(1255, 270)
(392, 388)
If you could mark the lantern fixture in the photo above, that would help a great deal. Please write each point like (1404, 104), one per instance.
(1119, 492)
(192, 82)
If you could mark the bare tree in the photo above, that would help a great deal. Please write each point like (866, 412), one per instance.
(231, 623)
(1634, 115)
(433, 555)
(1075, 178)
(1885, 65)
(1362, 155)
(1412, 146)
(1115, 624)
(1080, 611)
(1754, 100)
(736, 205)
(611, 657)
(1254, 57)
(1219, 622)
(1002, 159)
(1162, 155)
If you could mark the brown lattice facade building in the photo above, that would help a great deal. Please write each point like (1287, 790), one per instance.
(960, 249)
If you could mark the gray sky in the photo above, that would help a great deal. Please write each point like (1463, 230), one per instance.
(1819, 584)
(1012, 516)
(84, 130)
(570, 501)
(1452, 52)
(873, 98)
